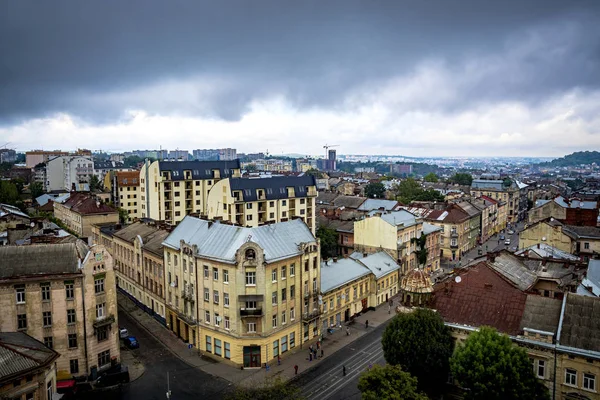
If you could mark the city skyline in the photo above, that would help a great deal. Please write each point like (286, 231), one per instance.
(439, 79)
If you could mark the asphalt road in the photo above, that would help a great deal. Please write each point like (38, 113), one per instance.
(185, 382)
(326, 379)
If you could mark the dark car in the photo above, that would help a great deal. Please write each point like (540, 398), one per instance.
(131, 342)
(113, 378)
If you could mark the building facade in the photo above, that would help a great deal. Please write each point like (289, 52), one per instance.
(126, 194)
(70, 172)
(498, 190)
(81, 211)
(244, 295)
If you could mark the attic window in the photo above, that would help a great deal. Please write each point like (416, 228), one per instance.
(175, 173)
(250, 254)
(282, 190)
(269, 191)
(195, 172)
(301, 189)
(247, 192)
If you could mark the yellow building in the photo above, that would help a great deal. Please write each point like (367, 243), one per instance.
(81, 211)
(30, 371)
(245, 295)
(64, 296)
(126, 194)
(497, 190)
(489, 216)
(254, 202)
(138, 254)
(170, 190)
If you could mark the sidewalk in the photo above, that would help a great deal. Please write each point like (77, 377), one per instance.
(254, 377)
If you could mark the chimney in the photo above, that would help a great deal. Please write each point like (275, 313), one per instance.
(97, 203)
(334, 259)
(492, 257)
(538, 245)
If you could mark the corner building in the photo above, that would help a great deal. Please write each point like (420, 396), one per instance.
(245, 295)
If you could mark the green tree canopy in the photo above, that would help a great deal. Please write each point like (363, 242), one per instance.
(95, 183)
(410, 190)
(329, 239)
(132, 161)
(490, 367)
(422, 345)
(430, 177)
(461, 178)
(36, 189)
(389, 382)
(421, 250)
(9, 193)
(375, 190)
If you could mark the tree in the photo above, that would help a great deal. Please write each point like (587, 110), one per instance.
(375, 190)
(329, 239)
(314, 172)
(422, 345)
(123, 215)
(407, 190)
(421, 250)
(389, 382)
(132, 161)
(489, 366)
(95, 183)
(461, 178)
(9, 193)
(36, 189)
(430, 177)
(429, 195)
(274, 389)
(507, 182)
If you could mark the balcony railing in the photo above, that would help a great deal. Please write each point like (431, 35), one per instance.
(108, 320)
(454, 234)
(251, 312)
(311, 315)
(454, 246)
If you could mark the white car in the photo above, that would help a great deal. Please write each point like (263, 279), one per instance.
(123, 333)
(511, 232)
(507, 242)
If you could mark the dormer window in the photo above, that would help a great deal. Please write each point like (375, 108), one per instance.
(250, 254)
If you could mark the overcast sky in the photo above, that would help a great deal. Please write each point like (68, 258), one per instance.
(410, 77)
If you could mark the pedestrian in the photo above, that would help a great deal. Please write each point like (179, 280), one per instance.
(389, 309)
(310, 356)
(366, 324)
(310, 348)
(344, 370)
(321, 352)
(347, 331)
(278, 360)
(295, 369)
(318, 344)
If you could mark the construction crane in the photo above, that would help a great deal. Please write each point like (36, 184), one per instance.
(326, 147)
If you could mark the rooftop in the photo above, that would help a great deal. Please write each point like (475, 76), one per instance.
(513, 269)
(199, 169)
(591, 282)
(580, 327)
(428, 228)
(544, 250)
(85, 204)
(399, 219)
(488, 184)
(541, 313)
(349, 201)
(336, 274)
(152, 236)
(380, 263)
(416, 281)
(128, 178)
(274, 187)
(7, 209)
(378, 204)
(20, 354)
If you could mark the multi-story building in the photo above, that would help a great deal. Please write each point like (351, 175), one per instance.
(269, 165)
(8, 156)
(182, 155)
(170, 190)
(489, 216)
(29, 371)
(81, 211)
(35, 157)
(226, 154)
(246, 295)
(401, 169)
(63, 295)
(568, 211)
(125, 193)
(71, 172)
(303, 165)
(254, 202)
(474, 235)
(498, 190)
(138, 257)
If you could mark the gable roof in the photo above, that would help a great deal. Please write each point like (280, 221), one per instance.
(513, 269)
(481, 297)
(326, 197)
(544, 250)
(20, 354)
(274, 187)
(541, 313)
(378, 204)
(7, 209)
(400, 219)
(468, 208)
(152, 236)
(85, 204)
(336, 274)
(349, 201)
(580, 325)
(580, 232)
(221, 241)
(427, 213)
(591, 282)
(380, 263)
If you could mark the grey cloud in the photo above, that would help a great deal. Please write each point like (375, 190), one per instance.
(84, 57)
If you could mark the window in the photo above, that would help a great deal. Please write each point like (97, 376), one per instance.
(283, 294)
(217, 320)
(586, 245)
(283, 272)
(215, 274)
(48, 341)
(217, 347)
(275, 348)
(249, 206)
(541, 369)
(292, 291)
(315, 285)
(74, 366)
(274, 321)
(102, 333)
(227, 350)
(227, 323)
(70, 290)
(99, 285)
(250, 305)
(589, 382)
(72, 339)
(283, 202)
(570, 377)
(249, 217)
(274, 298)
(283, 344)
(207, 317)
(292, 269)
(225, 276)
(250, 254)
(104, 358)
(100, 311)
(216, 296)
(206, 294)
(20, 290)
(283, 321)
(292, 340)
(206, 272)
(250, 278)
(47, 318)
(45, 291)
(71, 318)
(226, 299)
(274, 275)
(251, 326)
(292, 314)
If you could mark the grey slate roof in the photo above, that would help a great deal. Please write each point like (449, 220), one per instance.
(378, 204)
(200, 169)
(20, 353)
(582, 231)
(591, 283)
(336, 274)
(588, 205)
(514, 270)
(380, 263)
(468, 208)
(400, 219)
(274, 187)
(41, 259)
(152, 236)
(326, 197)
(546, 251)
(8, 209)
(429, 228)
(220, 241)
(541, 313)
(487, 184)
(580, 326)
(348, 201)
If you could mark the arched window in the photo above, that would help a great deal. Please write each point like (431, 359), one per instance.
(250, 254)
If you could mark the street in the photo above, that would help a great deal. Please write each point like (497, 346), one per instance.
(326, 379)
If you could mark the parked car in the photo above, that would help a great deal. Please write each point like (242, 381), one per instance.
(123, 333)
(501, 237)
(113, 378)
(507, 242)
(131, 342)
(511, 232)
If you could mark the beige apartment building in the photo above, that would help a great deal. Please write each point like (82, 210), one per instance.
(63, 295)
(170, 190)
(255, 202)
(125, 192)
(243, 295)
(138, 257)
(81, 211)
(496, 190)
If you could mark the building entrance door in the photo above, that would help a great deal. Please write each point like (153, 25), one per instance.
(364, 304)
(252, 357)
(347, 315)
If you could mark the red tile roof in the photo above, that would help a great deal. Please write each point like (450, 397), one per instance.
(455, 215)
(481, 298)
(128, 178)
(83, 203)
(489, 199)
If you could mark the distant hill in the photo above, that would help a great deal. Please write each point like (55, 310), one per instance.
(577, 158)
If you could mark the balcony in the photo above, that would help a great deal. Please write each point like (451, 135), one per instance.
(187, 319)
(454, 245)
(251, 312)
(306, 317)
(454, 234)
(100, 322)
(188, 295)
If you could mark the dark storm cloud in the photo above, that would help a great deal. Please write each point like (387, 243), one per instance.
(84, 57)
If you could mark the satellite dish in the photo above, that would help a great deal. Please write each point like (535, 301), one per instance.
(32, 224)
(544, 238)
(458, 279)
